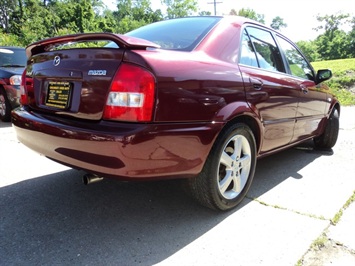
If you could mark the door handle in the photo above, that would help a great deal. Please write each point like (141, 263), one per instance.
(304, 89)
(256, 83)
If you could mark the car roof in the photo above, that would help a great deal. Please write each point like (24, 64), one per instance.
(231, 18)
(243, 21)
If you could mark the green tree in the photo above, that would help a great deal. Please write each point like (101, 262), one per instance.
(106, 22)
(335, 47)
(309, 49)
(180, 8)
(204, 13)
(278, 23)
(85, 16)
(33, 21)
(66, 19)
(250, 13)
(7, 39)
(334, 43)
(331, 23)
(7, 7)
(133, 14)
(142, 11)
(233, 12)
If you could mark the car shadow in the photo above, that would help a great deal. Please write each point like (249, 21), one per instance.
(274, 169)
(55, 219)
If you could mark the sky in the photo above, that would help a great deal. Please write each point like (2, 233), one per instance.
(299, 15)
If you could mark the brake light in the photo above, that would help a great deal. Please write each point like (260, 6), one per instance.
(131, 96)
(23, 99)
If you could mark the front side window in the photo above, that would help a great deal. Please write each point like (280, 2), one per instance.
(299, 66)
(263, 46)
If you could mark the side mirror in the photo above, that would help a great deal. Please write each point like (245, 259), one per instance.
(323, 75)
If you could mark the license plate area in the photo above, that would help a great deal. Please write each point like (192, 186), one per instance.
(58, 94)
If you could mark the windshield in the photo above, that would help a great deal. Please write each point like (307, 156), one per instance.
(12, 57)
(176, 34)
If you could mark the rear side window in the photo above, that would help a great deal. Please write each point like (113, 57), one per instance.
(176, 34)
(259, 49)
(299, 66)
(248, 55)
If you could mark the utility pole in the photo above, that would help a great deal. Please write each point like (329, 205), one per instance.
(215, 6)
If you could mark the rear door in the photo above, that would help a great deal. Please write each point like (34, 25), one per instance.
(268, 88)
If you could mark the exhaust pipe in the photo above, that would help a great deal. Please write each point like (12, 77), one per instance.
(91, 178)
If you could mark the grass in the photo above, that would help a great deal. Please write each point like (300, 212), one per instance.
(285, 209)
(342, 84)
(319, 242)
(339, 214)
(323, 239)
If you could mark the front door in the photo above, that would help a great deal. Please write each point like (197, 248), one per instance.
(312, 99)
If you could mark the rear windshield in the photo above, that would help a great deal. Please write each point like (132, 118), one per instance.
(176, 34)
(12, 57)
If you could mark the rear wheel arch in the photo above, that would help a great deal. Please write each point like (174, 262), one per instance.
(221, 167)
(228, 171)
(241, 112)
(253, 124)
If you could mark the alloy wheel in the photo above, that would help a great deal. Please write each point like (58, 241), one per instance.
(234, 167)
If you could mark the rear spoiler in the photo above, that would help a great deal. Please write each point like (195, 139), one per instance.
(121, 40)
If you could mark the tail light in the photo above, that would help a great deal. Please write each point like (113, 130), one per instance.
(131, 96)
(25, 87)
(15, 80)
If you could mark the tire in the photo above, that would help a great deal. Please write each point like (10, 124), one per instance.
(330, 135)
(5, 107)
(228, 171)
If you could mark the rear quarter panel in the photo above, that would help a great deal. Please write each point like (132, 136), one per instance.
(193, 86)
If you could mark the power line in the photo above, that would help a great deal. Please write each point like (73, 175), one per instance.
(215, 5)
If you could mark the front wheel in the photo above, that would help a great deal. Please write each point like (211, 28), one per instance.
(5, 107)
(228, 171)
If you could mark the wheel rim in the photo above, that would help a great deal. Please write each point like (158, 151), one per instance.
(234, 167)
(2, 105)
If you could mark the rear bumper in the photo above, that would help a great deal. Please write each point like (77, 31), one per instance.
(119, 150)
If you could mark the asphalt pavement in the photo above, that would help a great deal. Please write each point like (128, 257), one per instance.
(48, 217)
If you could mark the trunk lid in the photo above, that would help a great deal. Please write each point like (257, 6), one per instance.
(74, 80)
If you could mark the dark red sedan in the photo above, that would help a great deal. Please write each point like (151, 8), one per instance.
(196, 98)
